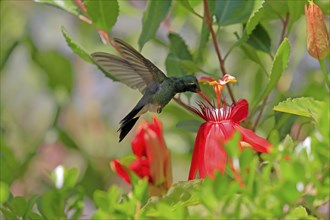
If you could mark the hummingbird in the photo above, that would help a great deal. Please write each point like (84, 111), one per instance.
(137, 72)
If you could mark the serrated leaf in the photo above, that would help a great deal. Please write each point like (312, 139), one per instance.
(155, 13)
(179, 47)
(259, 39)
(252, 22)
(255, 17)
(103, 13)
(232, 12)
(304, 106)
(299, 213)
(189, 125)
(77, 49)
(278, 67)
(178, 51)
(68, 6)
(83, 54)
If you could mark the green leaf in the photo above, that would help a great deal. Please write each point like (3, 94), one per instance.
(189, 125)
(4, 192)
(299, 213)
(178, 51)
(66, 139)
(103, 13)
(205, 34)
(186, 4)
(304, 106)
(83, 54)
(232, 12)
(279, 65)
(76, 48)
(58, 69)
(255, 17)
(68, 6)
(296, 10)
(181, 194)
(9, 165)
(51, 205)
(179, 47)
(140, 188)
(190, 66)
(19, 206)
(155, 13)
(259, 39)
(252, 54)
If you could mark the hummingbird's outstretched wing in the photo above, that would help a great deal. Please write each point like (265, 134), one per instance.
(133, 69)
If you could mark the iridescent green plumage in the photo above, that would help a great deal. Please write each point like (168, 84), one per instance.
(139, 73)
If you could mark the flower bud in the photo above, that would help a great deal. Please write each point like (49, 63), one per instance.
(317, 34)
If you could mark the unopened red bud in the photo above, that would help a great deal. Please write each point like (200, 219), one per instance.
(317, 34)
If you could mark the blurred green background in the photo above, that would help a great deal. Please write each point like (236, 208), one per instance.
(58, 109)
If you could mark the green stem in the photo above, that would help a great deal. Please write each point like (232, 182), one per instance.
(325, 73)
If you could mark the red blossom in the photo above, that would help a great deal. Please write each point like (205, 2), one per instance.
(221, 122)
(152, 158)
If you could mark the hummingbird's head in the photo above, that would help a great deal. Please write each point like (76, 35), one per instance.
(190, 83)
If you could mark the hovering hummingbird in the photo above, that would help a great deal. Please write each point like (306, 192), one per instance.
(137, 72)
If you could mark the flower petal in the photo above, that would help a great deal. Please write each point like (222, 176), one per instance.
(239, 111)
(138, 143)
(258, 143)
(215, 155)
(197, 161)
(141, 167)
(121, 170)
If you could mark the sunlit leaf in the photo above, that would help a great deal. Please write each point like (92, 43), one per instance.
(299, 213)
(153, 16)
(103, 13)
(67, 5)
(4, 192)
(304, 106)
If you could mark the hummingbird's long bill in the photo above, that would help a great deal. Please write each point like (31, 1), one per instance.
(137, 72)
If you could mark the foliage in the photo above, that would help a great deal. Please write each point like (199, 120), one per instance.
(56, 148)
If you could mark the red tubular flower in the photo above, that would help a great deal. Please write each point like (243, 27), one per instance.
(221, 122)
(152, 158)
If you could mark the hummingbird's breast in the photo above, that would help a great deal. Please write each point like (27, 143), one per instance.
(164, 94)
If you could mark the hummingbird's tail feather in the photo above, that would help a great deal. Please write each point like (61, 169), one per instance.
(126, 127)
(127, 123)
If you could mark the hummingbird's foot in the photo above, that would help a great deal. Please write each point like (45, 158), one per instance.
(159, 110)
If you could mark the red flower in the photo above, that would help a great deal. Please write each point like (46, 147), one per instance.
(221, 122)
(152, 158)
